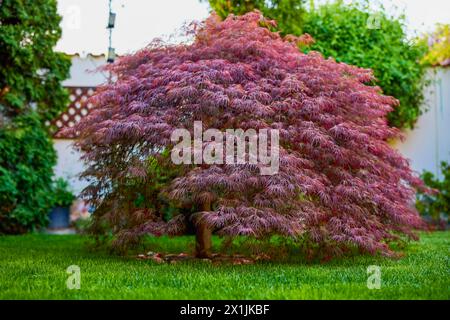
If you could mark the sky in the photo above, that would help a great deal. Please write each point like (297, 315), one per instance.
(140, 21)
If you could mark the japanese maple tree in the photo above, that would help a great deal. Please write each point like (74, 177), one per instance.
(339, 182)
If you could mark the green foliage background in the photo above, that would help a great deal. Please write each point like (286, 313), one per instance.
(341, 31)
(30, 94)
(26, 169)
(289, 14)
(30, 70)
(439, 52)
(437, 204)
(344, 32)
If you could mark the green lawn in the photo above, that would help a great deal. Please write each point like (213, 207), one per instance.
(34, 267)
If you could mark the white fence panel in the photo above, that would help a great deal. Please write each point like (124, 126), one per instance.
(429, 142)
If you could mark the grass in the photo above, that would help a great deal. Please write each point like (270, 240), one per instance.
(34, 267)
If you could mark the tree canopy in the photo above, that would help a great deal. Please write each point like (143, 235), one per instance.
(31, 71)
(339, 183)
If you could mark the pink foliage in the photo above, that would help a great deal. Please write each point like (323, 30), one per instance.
(339, 181)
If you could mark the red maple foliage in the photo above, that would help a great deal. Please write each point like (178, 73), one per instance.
(339, 181)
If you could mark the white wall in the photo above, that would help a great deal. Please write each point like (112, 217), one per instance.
(69, 164)
(82, 74)
(82, 71)
(429, 143)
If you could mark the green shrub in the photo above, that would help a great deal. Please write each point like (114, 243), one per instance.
(345, 32)
(31, 72)
(27, 158)
(436, 205)
(356, 35)
(31, 93)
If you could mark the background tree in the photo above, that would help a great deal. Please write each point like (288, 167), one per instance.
(344, 32)
(340, 184)
(439, 46)
(30, 71)
(30, 93)
(289, 14)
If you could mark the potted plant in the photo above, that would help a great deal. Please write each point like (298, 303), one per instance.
(80, 216)
(63, 198)
(435, 207)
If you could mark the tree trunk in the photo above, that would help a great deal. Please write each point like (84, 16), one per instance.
(203, 237)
